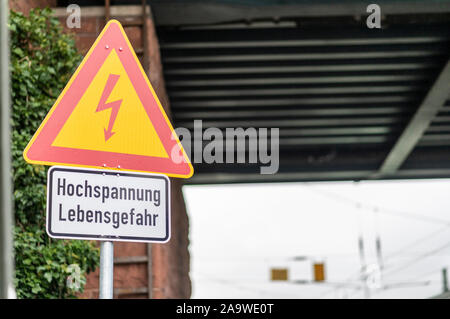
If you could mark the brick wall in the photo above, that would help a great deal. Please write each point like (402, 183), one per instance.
(25, 5)
(170, 266)
(170, 262)
(90, 27)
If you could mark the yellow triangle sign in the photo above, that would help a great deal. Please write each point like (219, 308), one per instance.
(109, 116)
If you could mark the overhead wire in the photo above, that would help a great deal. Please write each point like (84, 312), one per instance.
(415, 260)
(379, 209)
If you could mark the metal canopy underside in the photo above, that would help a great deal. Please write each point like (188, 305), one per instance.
(351, 103)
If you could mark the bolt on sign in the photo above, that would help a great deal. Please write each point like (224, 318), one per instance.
(106, 122)
(279, 274)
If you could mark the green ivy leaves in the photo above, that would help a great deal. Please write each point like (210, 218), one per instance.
(42, 60)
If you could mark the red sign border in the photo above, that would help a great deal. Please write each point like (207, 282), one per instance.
(40, 150)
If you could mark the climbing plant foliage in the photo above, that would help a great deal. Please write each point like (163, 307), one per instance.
(43, 58)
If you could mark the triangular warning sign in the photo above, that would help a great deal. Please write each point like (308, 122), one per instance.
(108, 116)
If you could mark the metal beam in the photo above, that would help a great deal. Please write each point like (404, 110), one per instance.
(326, 122)
(438, 128)
(6, 215)
(269, 81)
(302, 68)
(435, 140)
(293, 101)
(329, 111)
(312, 141)
(333, 140)
(194, 13)
(272, 35)
(264, 91)
(356, 175)
(326, 131)
(299, 43)
(302, 56)
(426, 112)
(225, 178)
(331, 131)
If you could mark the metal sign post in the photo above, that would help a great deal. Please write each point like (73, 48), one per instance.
(6, 215)
(106, 269)
(107, 205)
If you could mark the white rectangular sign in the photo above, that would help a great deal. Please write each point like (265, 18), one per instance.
(101, 204)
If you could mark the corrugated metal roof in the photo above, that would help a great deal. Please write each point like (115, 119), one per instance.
(351, 103)
(341, 94)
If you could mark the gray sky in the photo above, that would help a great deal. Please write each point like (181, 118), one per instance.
(239, 232)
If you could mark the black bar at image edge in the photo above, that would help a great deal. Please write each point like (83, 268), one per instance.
(234, 308)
